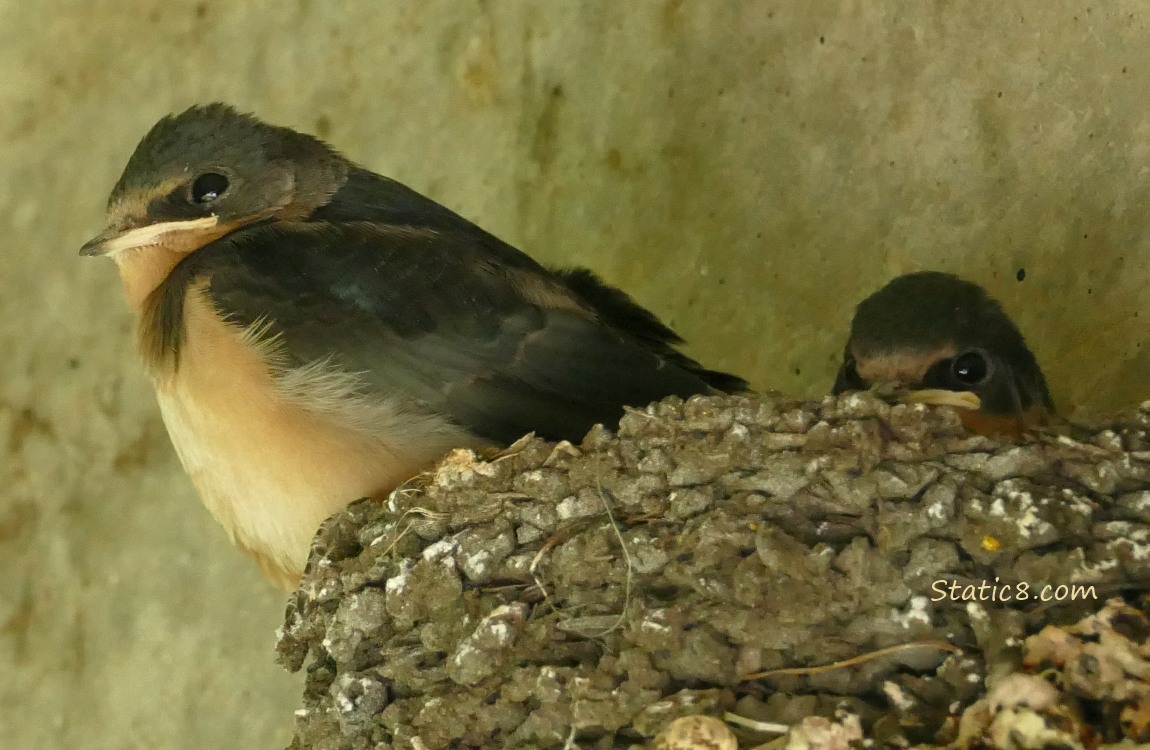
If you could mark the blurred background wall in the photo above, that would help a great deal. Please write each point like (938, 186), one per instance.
(749, 170)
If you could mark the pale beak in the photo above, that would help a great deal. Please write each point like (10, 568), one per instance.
(939, 397)
(116, 239)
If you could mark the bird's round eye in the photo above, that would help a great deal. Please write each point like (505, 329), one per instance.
(208, 187)
(969, 368)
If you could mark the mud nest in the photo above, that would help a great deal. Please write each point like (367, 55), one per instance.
(845, 569)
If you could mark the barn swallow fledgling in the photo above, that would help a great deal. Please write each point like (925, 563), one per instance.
(317, 333)
(948, 342)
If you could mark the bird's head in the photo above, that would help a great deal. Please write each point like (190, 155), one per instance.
(938, 339)
(208, 171)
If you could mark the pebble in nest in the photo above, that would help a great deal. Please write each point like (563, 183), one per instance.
(696, 732)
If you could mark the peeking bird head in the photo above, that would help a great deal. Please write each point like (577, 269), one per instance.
(940, 339)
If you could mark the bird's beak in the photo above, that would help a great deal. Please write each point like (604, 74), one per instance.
(939, 397)
(117, 238)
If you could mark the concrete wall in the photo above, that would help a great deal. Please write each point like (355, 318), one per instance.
(749, 170)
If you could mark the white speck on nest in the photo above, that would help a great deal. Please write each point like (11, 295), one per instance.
(465, 651)
(974, 678)
(398, 582)
(1093, 571)
(916, 612)
(569, 507)
(477, 561)
(976, 611)
(496, 624)
(817, 464)
(657, 627)
(443, 550)
(738, 431)
(1136, 545)
(1076, 502)
(1028, 521)
(1023, 690)
(1107, 473)
(710, 586)
(895, 694)
(460, 466)
(938, 510)
(1140, 501)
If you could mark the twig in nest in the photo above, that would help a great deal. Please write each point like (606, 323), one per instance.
(533, 568)
(626, 556)
(769, 727)
(562, 448)
(426, 513)
(855, 660)
(395, 541)
(651, 517)
(512, 450)
(563, 534)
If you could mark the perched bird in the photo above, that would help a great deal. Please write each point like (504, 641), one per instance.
(317, 333)
(948, 342)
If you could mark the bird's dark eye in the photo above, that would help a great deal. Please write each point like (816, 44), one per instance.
(969, 368)
(208, 187)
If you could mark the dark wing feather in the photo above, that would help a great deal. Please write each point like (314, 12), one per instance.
(615, 307)
(367, 196)
(435, 316)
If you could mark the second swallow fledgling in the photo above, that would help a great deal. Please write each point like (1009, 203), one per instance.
(945, 340)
